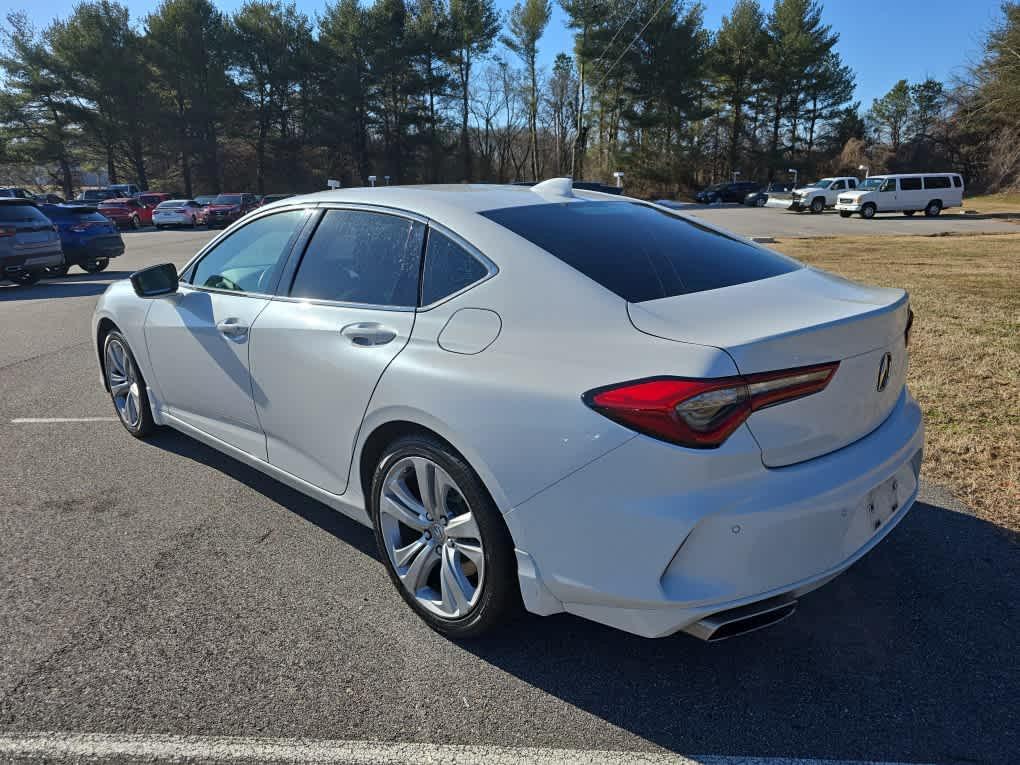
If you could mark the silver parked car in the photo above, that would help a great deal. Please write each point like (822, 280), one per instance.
(541, 395)
(29, 242)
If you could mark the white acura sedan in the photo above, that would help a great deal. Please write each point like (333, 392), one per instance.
(540, 396)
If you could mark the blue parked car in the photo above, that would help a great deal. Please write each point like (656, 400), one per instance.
(88, 237)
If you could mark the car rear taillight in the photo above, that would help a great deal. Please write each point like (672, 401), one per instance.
(702, 414)
(8, 232)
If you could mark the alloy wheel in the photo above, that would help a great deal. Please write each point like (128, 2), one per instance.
(122, 379)
(431, 537)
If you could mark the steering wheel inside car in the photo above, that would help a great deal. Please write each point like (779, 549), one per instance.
(218, 282)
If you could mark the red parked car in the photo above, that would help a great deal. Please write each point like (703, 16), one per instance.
(227, 208)
(152, 199)
(126, 212)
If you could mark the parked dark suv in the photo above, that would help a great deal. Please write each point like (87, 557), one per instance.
(29, 242)
(727, 192)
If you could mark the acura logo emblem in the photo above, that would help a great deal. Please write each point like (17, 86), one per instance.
(884, 368)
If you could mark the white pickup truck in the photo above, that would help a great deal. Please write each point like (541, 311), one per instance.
(814, 196)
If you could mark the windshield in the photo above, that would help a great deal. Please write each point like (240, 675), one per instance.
(822, 184)
(227, 199)
(204, 200)
(870, 184)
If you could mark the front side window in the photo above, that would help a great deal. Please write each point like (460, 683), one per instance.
(449, 268)
(638, 252)
(357, 256)
(889, 184)
(251, 258)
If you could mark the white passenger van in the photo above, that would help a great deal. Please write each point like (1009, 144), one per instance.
(905, 193)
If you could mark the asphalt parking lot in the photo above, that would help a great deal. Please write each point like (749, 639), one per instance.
(766, 222)
(161, 589)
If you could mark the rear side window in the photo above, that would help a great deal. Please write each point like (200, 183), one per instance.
(851, 183)
(910, 184)
(363, 257)
(638, 252)
(936, 182)
(958, 181)
(449, 268)
(15, 213)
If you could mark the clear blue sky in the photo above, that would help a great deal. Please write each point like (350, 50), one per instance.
(883, 40)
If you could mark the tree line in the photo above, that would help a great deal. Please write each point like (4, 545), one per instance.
(269, 99)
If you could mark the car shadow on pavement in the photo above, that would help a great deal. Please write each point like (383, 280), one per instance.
(908, 656)
(72, 285)
(339, 525)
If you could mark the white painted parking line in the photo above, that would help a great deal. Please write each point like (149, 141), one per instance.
(56, 746)
(51, 420)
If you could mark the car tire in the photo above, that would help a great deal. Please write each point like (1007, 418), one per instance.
(60, 270)
(868, 211)
(442, 562)
(817, 205)
(760, 202)
(909, 213)
(119, 368)
(25, 278)
(95, 266)
(135, 223)
(933, 209)
(158, 227)
(845, 213)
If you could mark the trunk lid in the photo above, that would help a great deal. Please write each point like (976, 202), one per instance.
(799, 319)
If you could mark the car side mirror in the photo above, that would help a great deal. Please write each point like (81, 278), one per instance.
(155, 281)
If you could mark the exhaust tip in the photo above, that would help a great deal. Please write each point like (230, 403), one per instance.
(742, 620)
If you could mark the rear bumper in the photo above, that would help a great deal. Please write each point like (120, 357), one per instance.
(82, 253)
(44, 257)
(652, 538)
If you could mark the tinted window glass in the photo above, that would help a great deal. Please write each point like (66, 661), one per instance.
(936, 182)
(957, 181)
(15, 213)
(910, 184)
(838, 186)
(638, 252)
(362, 257)
(852, 183)
(250, 259)
(449, 268)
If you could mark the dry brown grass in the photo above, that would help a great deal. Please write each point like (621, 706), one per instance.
(993, 203)
(964, 351)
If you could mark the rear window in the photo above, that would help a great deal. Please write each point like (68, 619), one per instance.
(170, 206)
(638, 252)
(15, 213)
(75, 216)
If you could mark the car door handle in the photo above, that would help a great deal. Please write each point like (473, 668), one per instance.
(368, 334)
(231, 328)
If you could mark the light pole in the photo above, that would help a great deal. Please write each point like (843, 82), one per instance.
(795, 175)
(865, 168)
(371, 181)
(734, 176)
(619, 179)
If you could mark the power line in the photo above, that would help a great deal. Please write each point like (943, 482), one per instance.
(633, 40)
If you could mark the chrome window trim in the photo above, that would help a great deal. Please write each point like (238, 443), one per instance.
(342, 304)
(213, 290)
(491, 268)
(243, 220)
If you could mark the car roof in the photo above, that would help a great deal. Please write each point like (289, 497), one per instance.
(442, 200)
